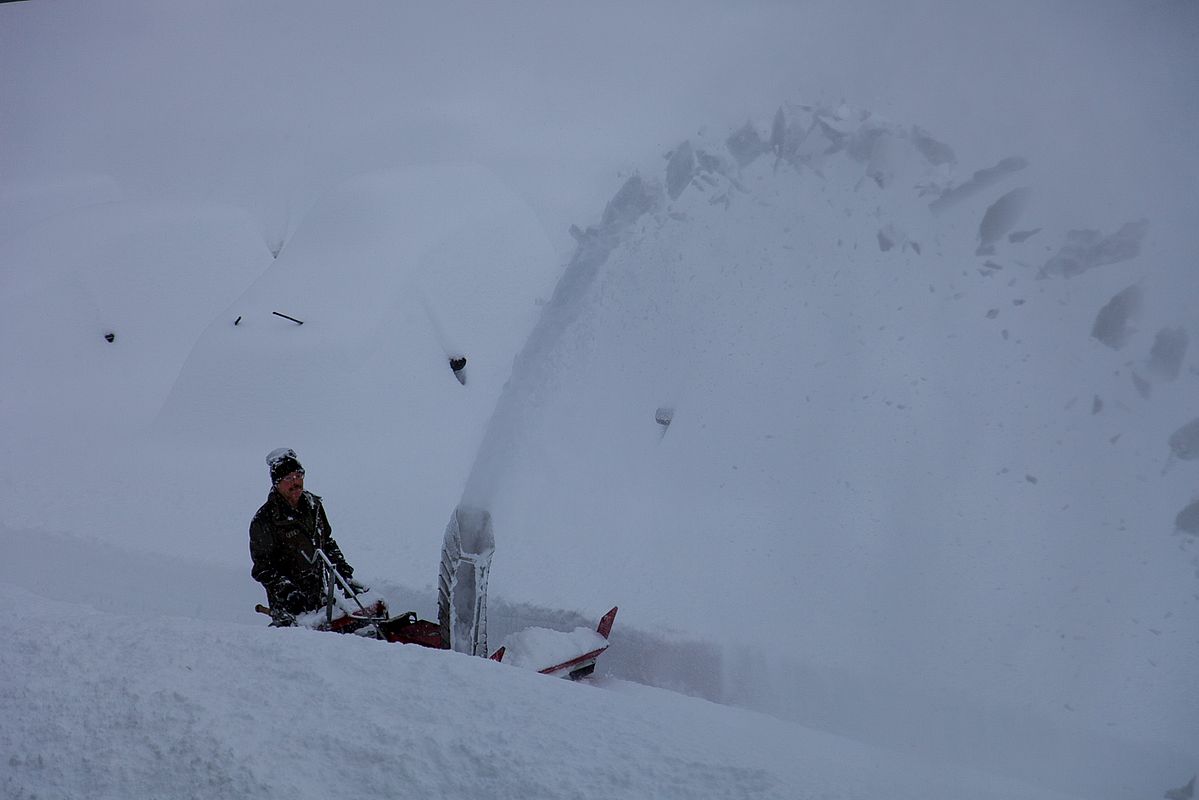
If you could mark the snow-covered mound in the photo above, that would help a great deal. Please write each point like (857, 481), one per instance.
(114, 706)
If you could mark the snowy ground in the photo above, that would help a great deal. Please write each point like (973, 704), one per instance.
(118, 706)
(923, 522)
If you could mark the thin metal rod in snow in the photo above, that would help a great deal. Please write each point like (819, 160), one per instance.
(293, 319)
(333, 579)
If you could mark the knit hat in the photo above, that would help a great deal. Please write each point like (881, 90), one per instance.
(282, 462)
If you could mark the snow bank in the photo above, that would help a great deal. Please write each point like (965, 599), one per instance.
(116, 706)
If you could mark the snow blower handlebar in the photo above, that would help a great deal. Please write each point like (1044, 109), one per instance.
(337, 580)
(331, 570)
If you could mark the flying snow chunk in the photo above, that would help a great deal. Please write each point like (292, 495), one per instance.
(1020, 237)
(887, 237)
(886, 158)
(1001, 217)
(935, 152)
(979, 181)
(1184, 442)
(1187, 520)
(633, 199)
(680, 169)
(1087, 249)
(1112, 323)
(1168, 351)
(746, 144)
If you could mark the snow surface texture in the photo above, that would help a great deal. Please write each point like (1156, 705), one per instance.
(218, 711)
(840, 407)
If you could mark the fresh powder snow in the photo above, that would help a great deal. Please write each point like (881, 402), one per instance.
(847, 348)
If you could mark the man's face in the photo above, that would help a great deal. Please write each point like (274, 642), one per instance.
(291, 487)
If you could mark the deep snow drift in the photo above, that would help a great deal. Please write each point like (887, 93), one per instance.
(885, 432)
(110, 707)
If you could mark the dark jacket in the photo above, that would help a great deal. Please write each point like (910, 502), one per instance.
(283, 542)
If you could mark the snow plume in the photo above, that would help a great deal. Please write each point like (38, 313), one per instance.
(794, 301)
(534, 366)
(1086, 249)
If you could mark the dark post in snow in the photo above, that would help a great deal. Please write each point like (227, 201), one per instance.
(664, 416)
(458, 365)
(293, 319)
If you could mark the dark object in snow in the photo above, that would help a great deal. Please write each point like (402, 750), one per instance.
(1184, 442)
(1182, 792)
(110, 337)
(1168, 351)
(1087, 249)
(293, 319)
(237, 322)
(1112, 322)
(458, 365)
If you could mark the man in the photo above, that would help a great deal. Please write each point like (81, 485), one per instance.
(284, 537)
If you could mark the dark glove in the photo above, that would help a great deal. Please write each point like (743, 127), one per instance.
(282, 619)
(290, 599)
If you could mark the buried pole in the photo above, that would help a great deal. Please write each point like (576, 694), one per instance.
(458, 366)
